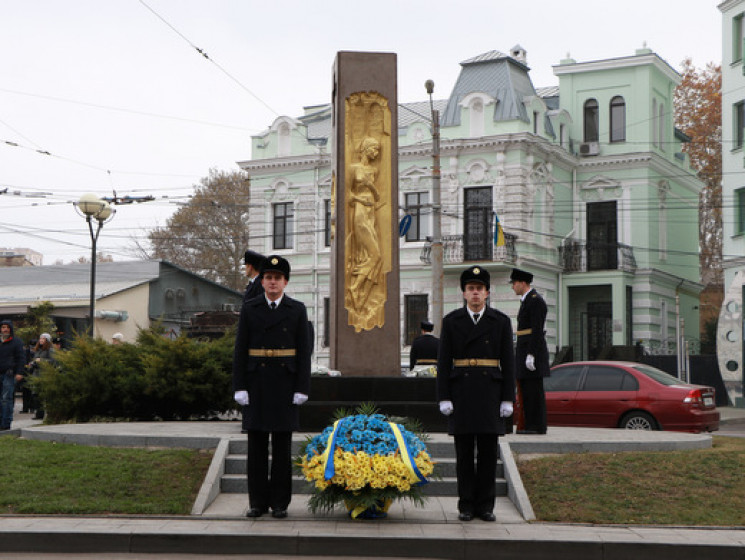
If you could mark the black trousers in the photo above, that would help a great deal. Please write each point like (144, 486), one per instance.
(269, 489)
(534, 403)
(477, 486)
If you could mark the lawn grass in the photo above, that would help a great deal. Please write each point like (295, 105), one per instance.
(50, 478)
(699, 487)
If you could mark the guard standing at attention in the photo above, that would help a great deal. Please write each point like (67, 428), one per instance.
(424, 347)
(532, 352)
(271, 378)
(476, 389)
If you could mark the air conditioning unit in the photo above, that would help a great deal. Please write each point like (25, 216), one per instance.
(589, 149)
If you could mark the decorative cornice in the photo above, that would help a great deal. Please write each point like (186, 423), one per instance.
(310, 161)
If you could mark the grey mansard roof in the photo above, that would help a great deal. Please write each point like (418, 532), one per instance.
(498, 75)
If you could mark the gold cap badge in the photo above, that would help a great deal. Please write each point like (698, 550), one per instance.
(477, 270)
(275, 261)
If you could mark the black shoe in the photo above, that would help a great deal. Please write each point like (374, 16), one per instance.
(244, 431)
(465, 516)
(256, 512)
(487, 516)
(529, 432)
(279, 513)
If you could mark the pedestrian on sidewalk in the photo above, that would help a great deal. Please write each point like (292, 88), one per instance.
(475, 390)
(532, 352)
(43, 352)
(271, 379)
(12, 362)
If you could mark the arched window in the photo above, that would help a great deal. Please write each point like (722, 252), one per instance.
(617, 119)
(591, 120)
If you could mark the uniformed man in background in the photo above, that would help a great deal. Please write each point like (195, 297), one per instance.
(253, 261)
(424, 347)
(532, 352)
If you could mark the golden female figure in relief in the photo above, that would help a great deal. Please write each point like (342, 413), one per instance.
(364, 201)
(368, 206)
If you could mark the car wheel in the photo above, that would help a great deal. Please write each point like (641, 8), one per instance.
(638, 421)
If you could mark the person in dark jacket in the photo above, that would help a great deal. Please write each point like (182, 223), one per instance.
(532, 352)
(475, 390)
(253, 261)
(44, 351)
(12, 363)
(271, 377)
(424, 347)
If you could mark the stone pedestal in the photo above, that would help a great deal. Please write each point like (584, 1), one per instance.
(365, 300)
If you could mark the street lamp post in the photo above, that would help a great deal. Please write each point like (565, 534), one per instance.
(93, 208)
(437, 267)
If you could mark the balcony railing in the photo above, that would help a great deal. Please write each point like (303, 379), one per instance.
(576, 256)
(454, 250)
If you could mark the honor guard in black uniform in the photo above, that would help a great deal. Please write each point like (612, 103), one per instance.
(253, 262)
(532, 352)
(271, 377)
(424, 347)
(475, 389)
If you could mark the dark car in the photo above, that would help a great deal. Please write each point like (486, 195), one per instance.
(627, 395)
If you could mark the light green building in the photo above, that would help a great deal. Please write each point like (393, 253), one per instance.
(587, 178)
(730, 327)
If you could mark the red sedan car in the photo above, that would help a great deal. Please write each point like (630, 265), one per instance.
(627, 395)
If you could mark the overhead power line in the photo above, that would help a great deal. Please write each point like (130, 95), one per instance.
(204, 54)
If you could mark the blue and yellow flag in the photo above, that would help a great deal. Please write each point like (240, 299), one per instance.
(498, 233)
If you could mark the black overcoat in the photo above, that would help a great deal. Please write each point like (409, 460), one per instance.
(424, 347)
(253, 289)
(271, 382)
(476, 392)
(532, 315)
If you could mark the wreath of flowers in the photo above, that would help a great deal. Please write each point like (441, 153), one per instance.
(366, 461)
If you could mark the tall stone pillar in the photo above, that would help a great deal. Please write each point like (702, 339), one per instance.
(365, 300)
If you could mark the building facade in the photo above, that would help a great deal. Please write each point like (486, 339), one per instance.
(587, 178)
(730, 328)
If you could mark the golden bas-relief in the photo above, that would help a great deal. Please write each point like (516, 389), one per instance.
(367, 192)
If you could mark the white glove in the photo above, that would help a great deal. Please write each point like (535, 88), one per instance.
(530, 362)
(299, 398)
(505, 409)
(446, 407)
(241, 397)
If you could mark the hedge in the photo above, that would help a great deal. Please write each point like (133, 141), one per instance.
(155, 378)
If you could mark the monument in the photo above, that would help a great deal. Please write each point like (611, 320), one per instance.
(365, 301)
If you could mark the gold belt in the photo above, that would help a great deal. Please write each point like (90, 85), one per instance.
(426, 361)
(474, 362)
(271, 352)
(524, 331)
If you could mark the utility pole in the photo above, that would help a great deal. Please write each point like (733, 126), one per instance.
(437, 271)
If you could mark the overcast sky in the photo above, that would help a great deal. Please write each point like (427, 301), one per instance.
(117, 94)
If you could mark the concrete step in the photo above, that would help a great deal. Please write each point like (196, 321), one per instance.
(440, 447)
(445, 486)
(444, 466)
